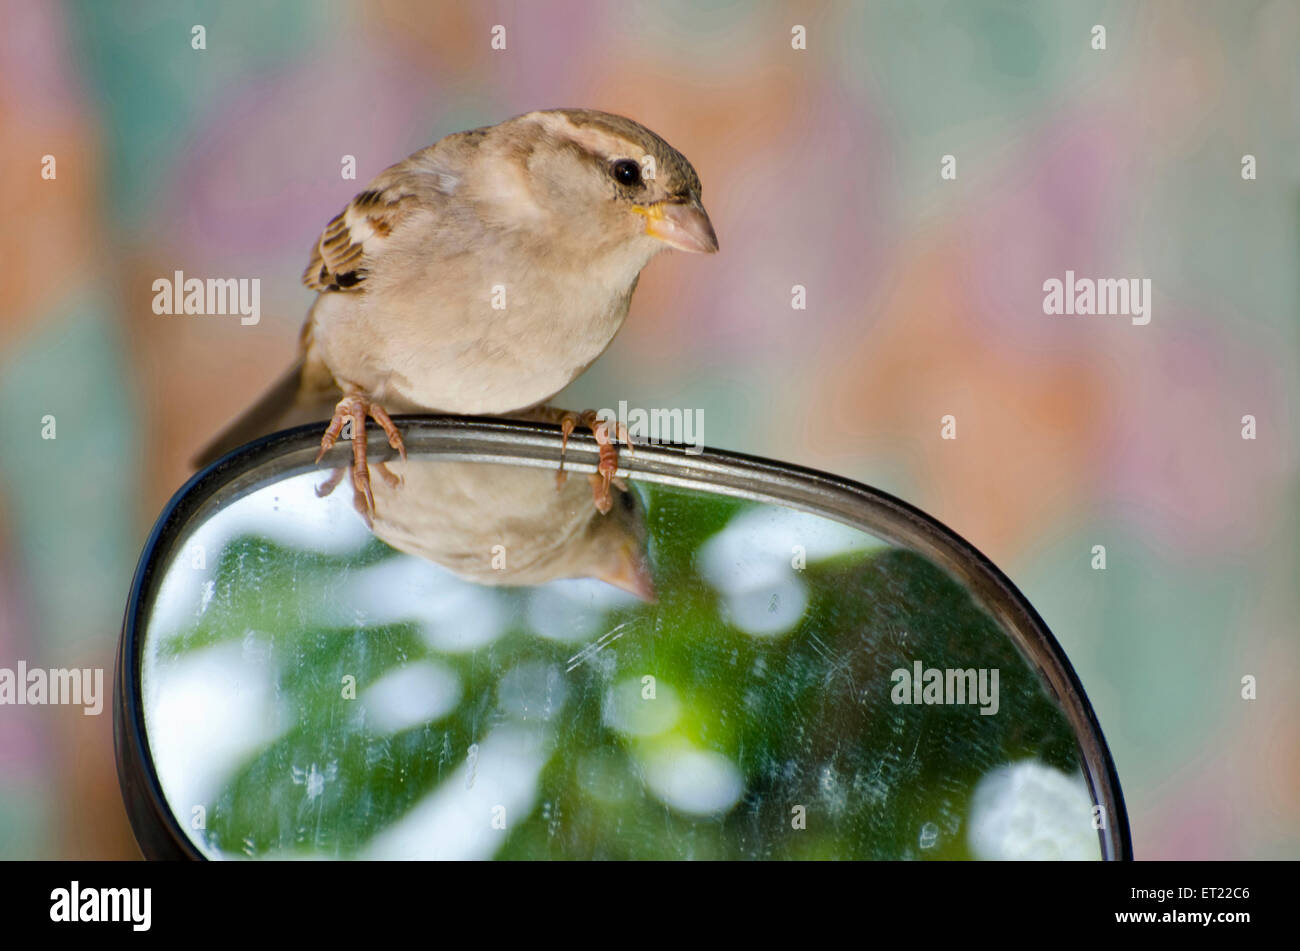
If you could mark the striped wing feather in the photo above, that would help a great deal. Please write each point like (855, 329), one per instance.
(339, 259)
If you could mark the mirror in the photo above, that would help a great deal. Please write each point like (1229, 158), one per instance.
(740, 661)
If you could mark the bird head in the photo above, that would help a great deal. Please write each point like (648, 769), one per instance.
(616, 546)
(613, 182)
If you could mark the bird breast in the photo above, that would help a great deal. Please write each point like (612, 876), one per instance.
(474, 332)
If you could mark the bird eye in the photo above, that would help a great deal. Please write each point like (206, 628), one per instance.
(625, 499)
(626, 172)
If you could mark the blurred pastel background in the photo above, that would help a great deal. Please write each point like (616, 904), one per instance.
(821, 167)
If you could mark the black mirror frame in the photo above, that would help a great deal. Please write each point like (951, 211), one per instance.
(292, 451)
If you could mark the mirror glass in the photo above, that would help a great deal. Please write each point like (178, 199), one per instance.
(499, 671)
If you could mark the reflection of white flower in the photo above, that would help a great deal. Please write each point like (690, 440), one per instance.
(1029, 810)
(768, 610)
(404, 697)
(761, 544)
(691, 780)
(454, 616)
(457, 819)
(754, 564)
(286, 512)
(206, 713)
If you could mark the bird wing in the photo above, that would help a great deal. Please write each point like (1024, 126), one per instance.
(341, 259)
(340, 262)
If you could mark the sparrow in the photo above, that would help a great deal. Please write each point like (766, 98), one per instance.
(501, 524)
(481, 275)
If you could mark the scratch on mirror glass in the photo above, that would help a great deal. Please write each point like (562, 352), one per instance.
(595, 647)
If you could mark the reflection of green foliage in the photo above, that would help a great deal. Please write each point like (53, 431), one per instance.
(806, 717)
(262, 586)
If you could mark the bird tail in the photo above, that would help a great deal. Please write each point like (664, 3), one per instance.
(281, 407)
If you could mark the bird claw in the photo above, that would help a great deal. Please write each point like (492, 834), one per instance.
(354, 409)
(389, 476)
(607, 467)
(330, 484)
(600, 493)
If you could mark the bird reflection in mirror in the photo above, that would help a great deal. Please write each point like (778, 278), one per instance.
(497, 524)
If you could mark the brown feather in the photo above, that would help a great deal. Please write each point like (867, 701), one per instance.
(338, 261)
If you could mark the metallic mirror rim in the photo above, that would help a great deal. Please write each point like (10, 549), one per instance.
(293, 451)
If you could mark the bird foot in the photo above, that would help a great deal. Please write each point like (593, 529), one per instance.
(328, 486)
(607, 466)
(355, 409)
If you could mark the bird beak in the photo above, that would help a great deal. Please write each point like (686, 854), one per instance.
(631, 572)
(680, 224)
